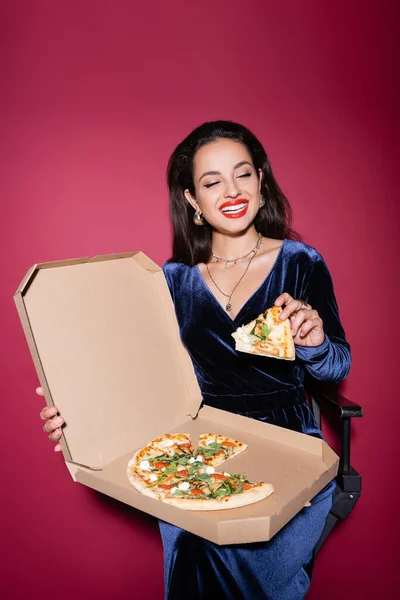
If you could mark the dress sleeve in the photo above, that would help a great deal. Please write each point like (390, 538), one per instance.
(168, 270)
(331, 360)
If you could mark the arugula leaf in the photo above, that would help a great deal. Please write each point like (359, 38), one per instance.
(210, 449)
(159, 480)
(177, 458)
(171, 468)
(265, 331)
(237, 477)
(221, 492)
(238, 489)
(195, 467)
(160, 458)
(253, 331)
(229, 486)
(204, 476)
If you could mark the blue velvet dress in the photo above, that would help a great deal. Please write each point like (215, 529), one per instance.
(262, 388)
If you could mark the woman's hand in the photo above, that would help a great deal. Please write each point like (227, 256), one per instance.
(306, 324)
(53, 423)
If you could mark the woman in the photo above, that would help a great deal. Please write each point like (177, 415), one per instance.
(234, 255)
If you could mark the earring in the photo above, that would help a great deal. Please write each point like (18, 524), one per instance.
(198, 218)
(262, 201)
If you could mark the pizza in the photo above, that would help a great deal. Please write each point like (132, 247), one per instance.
(216, 449)
(169, 469)
(267, 335)
(173, 442)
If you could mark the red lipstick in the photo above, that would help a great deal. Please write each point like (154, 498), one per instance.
(234, 209)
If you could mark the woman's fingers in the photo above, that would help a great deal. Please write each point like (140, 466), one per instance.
(48, 412)
(53, 422)
(297, 320)
(292, 306)
(313, 323)
(283, 299)
(55, 435)
(305, 323)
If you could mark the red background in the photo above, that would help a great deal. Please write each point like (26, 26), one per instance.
(95, 95)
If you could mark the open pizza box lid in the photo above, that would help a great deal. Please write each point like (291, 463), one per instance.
(105, 342)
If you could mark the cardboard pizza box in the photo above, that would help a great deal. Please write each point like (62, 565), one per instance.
(105, 341)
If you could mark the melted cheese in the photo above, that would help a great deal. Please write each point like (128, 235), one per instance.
(144, 465)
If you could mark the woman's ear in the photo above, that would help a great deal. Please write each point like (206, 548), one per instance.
(260, 179)
(191, 200)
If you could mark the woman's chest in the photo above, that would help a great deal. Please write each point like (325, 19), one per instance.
(201, 312)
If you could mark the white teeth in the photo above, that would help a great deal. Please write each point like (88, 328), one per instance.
(233, 209)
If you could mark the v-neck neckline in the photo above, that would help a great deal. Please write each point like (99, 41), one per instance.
(244, 306)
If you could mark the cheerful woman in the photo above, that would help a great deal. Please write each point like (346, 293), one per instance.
(234, 255)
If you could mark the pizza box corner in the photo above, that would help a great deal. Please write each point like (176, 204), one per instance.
(105, 342)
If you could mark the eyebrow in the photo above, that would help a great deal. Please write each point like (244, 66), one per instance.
(239, 164)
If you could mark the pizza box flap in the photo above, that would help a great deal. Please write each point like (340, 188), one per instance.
(103, 335)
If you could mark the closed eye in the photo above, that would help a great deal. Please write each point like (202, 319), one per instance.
(208, 185)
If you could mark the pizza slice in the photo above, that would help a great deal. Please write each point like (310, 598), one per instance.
(172, 443)
(207, 490)
(267, 335)
(215, 449)
(161, 457)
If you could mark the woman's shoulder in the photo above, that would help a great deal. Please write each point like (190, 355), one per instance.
(175, 272)
(301, 251)
(172, 268)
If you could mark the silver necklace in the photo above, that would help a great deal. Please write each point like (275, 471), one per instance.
(229, 296)
(241, 258)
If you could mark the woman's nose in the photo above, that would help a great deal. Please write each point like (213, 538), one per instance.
(232, 189)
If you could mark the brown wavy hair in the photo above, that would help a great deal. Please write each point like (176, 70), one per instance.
(191, 243)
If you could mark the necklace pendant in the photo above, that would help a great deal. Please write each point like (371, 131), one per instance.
(229, 307)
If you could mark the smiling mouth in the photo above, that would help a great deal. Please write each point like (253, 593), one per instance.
(234, 209)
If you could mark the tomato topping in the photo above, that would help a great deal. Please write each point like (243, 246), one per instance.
(166, 486)
(218, 476)
(161, 465)
(196, 492)
(184, 444)
(182, 472)
(228, 444)
(247, 486)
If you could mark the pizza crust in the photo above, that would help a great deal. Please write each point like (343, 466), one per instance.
(139, 484)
